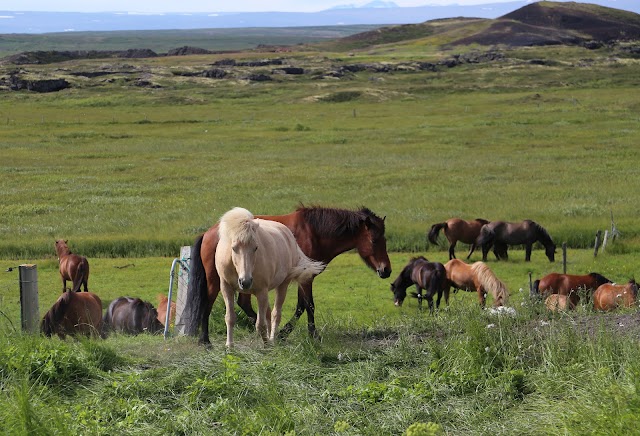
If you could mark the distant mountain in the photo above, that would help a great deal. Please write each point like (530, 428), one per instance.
(375, 12)
(536, 24)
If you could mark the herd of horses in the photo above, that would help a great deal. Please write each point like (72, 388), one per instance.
(244, 255)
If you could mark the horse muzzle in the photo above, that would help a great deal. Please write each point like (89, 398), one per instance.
(384, 273)
(398, 303)
(245, 283)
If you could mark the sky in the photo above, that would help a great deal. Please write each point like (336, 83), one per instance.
(159, 6)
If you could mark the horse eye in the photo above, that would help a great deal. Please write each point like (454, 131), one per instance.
(255, 249)
(235, 248)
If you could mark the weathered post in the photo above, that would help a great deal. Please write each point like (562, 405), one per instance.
(597, 244)
(564, 257)
(604, 240)
(29, 311)
(183, 283)
(531, 294)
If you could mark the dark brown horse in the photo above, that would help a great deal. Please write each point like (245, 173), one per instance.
(131, 316)
(456, 229)
(501, 234)
(611, 296)
(428, 276)
(74, 314)
(322, 234)
(73, 267)
(569, 285)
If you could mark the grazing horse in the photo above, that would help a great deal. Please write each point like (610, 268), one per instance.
(74, 314)
(162, 309)
(428, 276)
(477, 277)
(322, 234)
(254, 256)
(611, 296)
(557, 302)
(73, 267)
(501, 234)
(569, 285)
(131, 316)
(456, 229)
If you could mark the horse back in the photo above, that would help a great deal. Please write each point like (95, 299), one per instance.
(610, 296)
(464, 231)
(74, 313)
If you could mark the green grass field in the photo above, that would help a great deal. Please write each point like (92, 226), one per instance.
(129, 174)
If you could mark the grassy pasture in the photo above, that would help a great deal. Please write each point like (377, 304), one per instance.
(129, 174)
(125, 171)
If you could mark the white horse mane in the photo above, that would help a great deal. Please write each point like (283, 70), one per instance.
(237, 224)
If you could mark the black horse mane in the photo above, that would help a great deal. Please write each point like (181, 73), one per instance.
(600, 278)
(544, 236)
(328, 221)
(482, 220)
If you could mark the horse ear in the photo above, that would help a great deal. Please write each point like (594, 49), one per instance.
(385, 217)
(66, 241)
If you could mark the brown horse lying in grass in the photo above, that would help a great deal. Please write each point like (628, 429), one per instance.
(74, 314)
(569, 285)
(611, 296)
(558, 302)
(162, 310)
(73, 267)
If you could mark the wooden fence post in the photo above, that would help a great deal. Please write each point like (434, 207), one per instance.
(597, 244)
(29, 310)
(564, 257)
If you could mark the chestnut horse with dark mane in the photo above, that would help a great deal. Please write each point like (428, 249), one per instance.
(430, 277)
(569, 285)
(73, 267)
(611, 296)
(322, 234)
(74, 314)
(501, 234)
(456, 229)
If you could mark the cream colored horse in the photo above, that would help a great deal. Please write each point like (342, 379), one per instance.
(255, 256)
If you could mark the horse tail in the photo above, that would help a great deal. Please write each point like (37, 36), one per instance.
(437, 280)
(197, 290)
(433, 232)
(80, 275)
(306, 268)
(491, 282)
(57, 311)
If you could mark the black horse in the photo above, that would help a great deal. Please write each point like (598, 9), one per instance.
(132, 316)
(428, 276)
(501, 234)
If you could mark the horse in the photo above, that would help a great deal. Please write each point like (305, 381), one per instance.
(610, 296)
(558, 302)
(477, 277)
(162, 309)
(322, 233)
(428, 276)
(72, 267)
(131, 316)
(456, 229)
(74, 314)
(501, 234)
(254, 256)
(569, 285)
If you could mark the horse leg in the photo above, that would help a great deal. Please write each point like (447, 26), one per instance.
(452, 254)
(419, 295)
(485, 250)
(261, 322)
(527, 252)
(276, 313)
(305, 302)
(230, 313)
(471, 250)
(430, 302)
(244, 301)
(481, 296)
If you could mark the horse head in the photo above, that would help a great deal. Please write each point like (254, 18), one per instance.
(150, 321)
(239, 228)
(550, 251)
(400, 284)
(372, 244)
